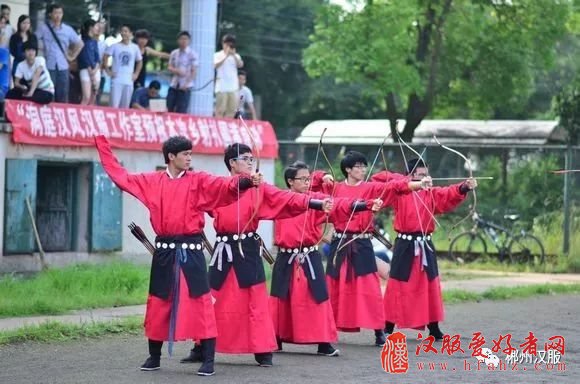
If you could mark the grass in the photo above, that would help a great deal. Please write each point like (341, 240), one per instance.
(83, 286)
(455, 296)
(59, 332)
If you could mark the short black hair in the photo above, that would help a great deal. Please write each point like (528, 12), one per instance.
(175, 144)
(229, 39)
(350, 160)
(184, 33)
(142, 34)
(4, 6)
(30, 44)
(233, 151)
(292, 170)
(125, 25)
(241, 72)
(52, 7)
(155, 85)
(413, 164)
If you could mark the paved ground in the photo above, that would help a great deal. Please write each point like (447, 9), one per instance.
(496, 279)
(115, 359)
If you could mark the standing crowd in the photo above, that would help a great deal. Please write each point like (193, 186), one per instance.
(55, 63)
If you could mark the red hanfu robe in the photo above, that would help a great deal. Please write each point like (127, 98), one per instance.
(175, 207)
(241, 307)
(357, 301)
(303, 314)
(413, 297)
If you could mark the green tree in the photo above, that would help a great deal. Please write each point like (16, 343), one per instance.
(458, 58)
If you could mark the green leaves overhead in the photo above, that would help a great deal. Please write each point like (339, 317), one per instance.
(459, 58)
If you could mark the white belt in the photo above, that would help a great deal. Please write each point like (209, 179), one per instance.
(296, 250)
(224, 239)
(191, 246)
(411, 237)
(420, 246)
(353, 236)
(218, 254)
(301, 257)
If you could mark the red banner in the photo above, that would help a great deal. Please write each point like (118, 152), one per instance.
(74, 125)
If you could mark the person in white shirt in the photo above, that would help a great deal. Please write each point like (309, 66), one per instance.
(226, 63)
(127, 63)
(183, 64)
(32, 80)
(246, 98)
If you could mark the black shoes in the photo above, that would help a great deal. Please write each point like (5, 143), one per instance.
(194, 356)
(380, 338)
(151, 364)
(389, 328)
(327, 349)
(435, 331)
(207, 351)
(264, 359)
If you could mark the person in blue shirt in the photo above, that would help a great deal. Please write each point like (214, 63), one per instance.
(88, 62)
(142, 96)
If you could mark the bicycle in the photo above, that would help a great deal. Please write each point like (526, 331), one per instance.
(515, 247)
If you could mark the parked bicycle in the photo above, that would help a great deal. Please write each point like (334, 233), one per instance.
(512, 246)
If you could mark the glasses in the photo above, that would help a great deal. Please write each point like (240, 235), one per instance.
(247, 159)
(303, 179)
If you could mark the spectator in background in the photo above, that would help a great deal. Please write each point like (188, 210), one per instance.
(246, 98)
(32, 80)
(7, 31)
(226, 63)
(183, 66)
(142, 96)
(89, 59)
(4, 73)
(127, 63)
(102, 47)
(61, 46)
(142, 38)
(22, 35)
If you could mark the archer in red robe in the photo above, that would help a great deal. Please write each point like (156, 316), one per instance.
(236, 272)
(179, 306)
(299, 303)
(413, 297)
(353, 281)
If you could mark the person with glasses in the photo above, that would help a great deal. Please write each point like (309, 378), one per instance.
(353, 280)
(179, 305)
(413, 298)
(236, 273)
(299, 301)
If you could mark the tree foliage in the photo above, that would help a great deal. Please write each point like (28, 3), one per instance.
(457, 58)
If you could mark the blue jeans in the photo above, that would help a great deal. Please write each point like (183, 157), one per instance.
(61, 81)
(178, 100)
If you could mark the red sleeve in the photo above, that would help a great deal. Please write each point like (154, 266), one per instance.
(135, 184)
(386, 176)
(447, 198)
(388, 192)
(317, 185)
(279, 204)
(216, 191)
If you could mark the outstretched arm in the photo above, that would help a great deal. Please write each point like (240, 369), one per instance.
(135, 184)
(217, 191)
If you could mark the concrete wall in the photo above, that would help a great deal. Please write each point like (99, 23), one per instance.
(134, 161)
(17, 8)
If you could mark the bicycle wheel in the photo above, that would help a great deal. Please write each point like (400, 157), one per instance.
(467, 246)
(526, 249)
